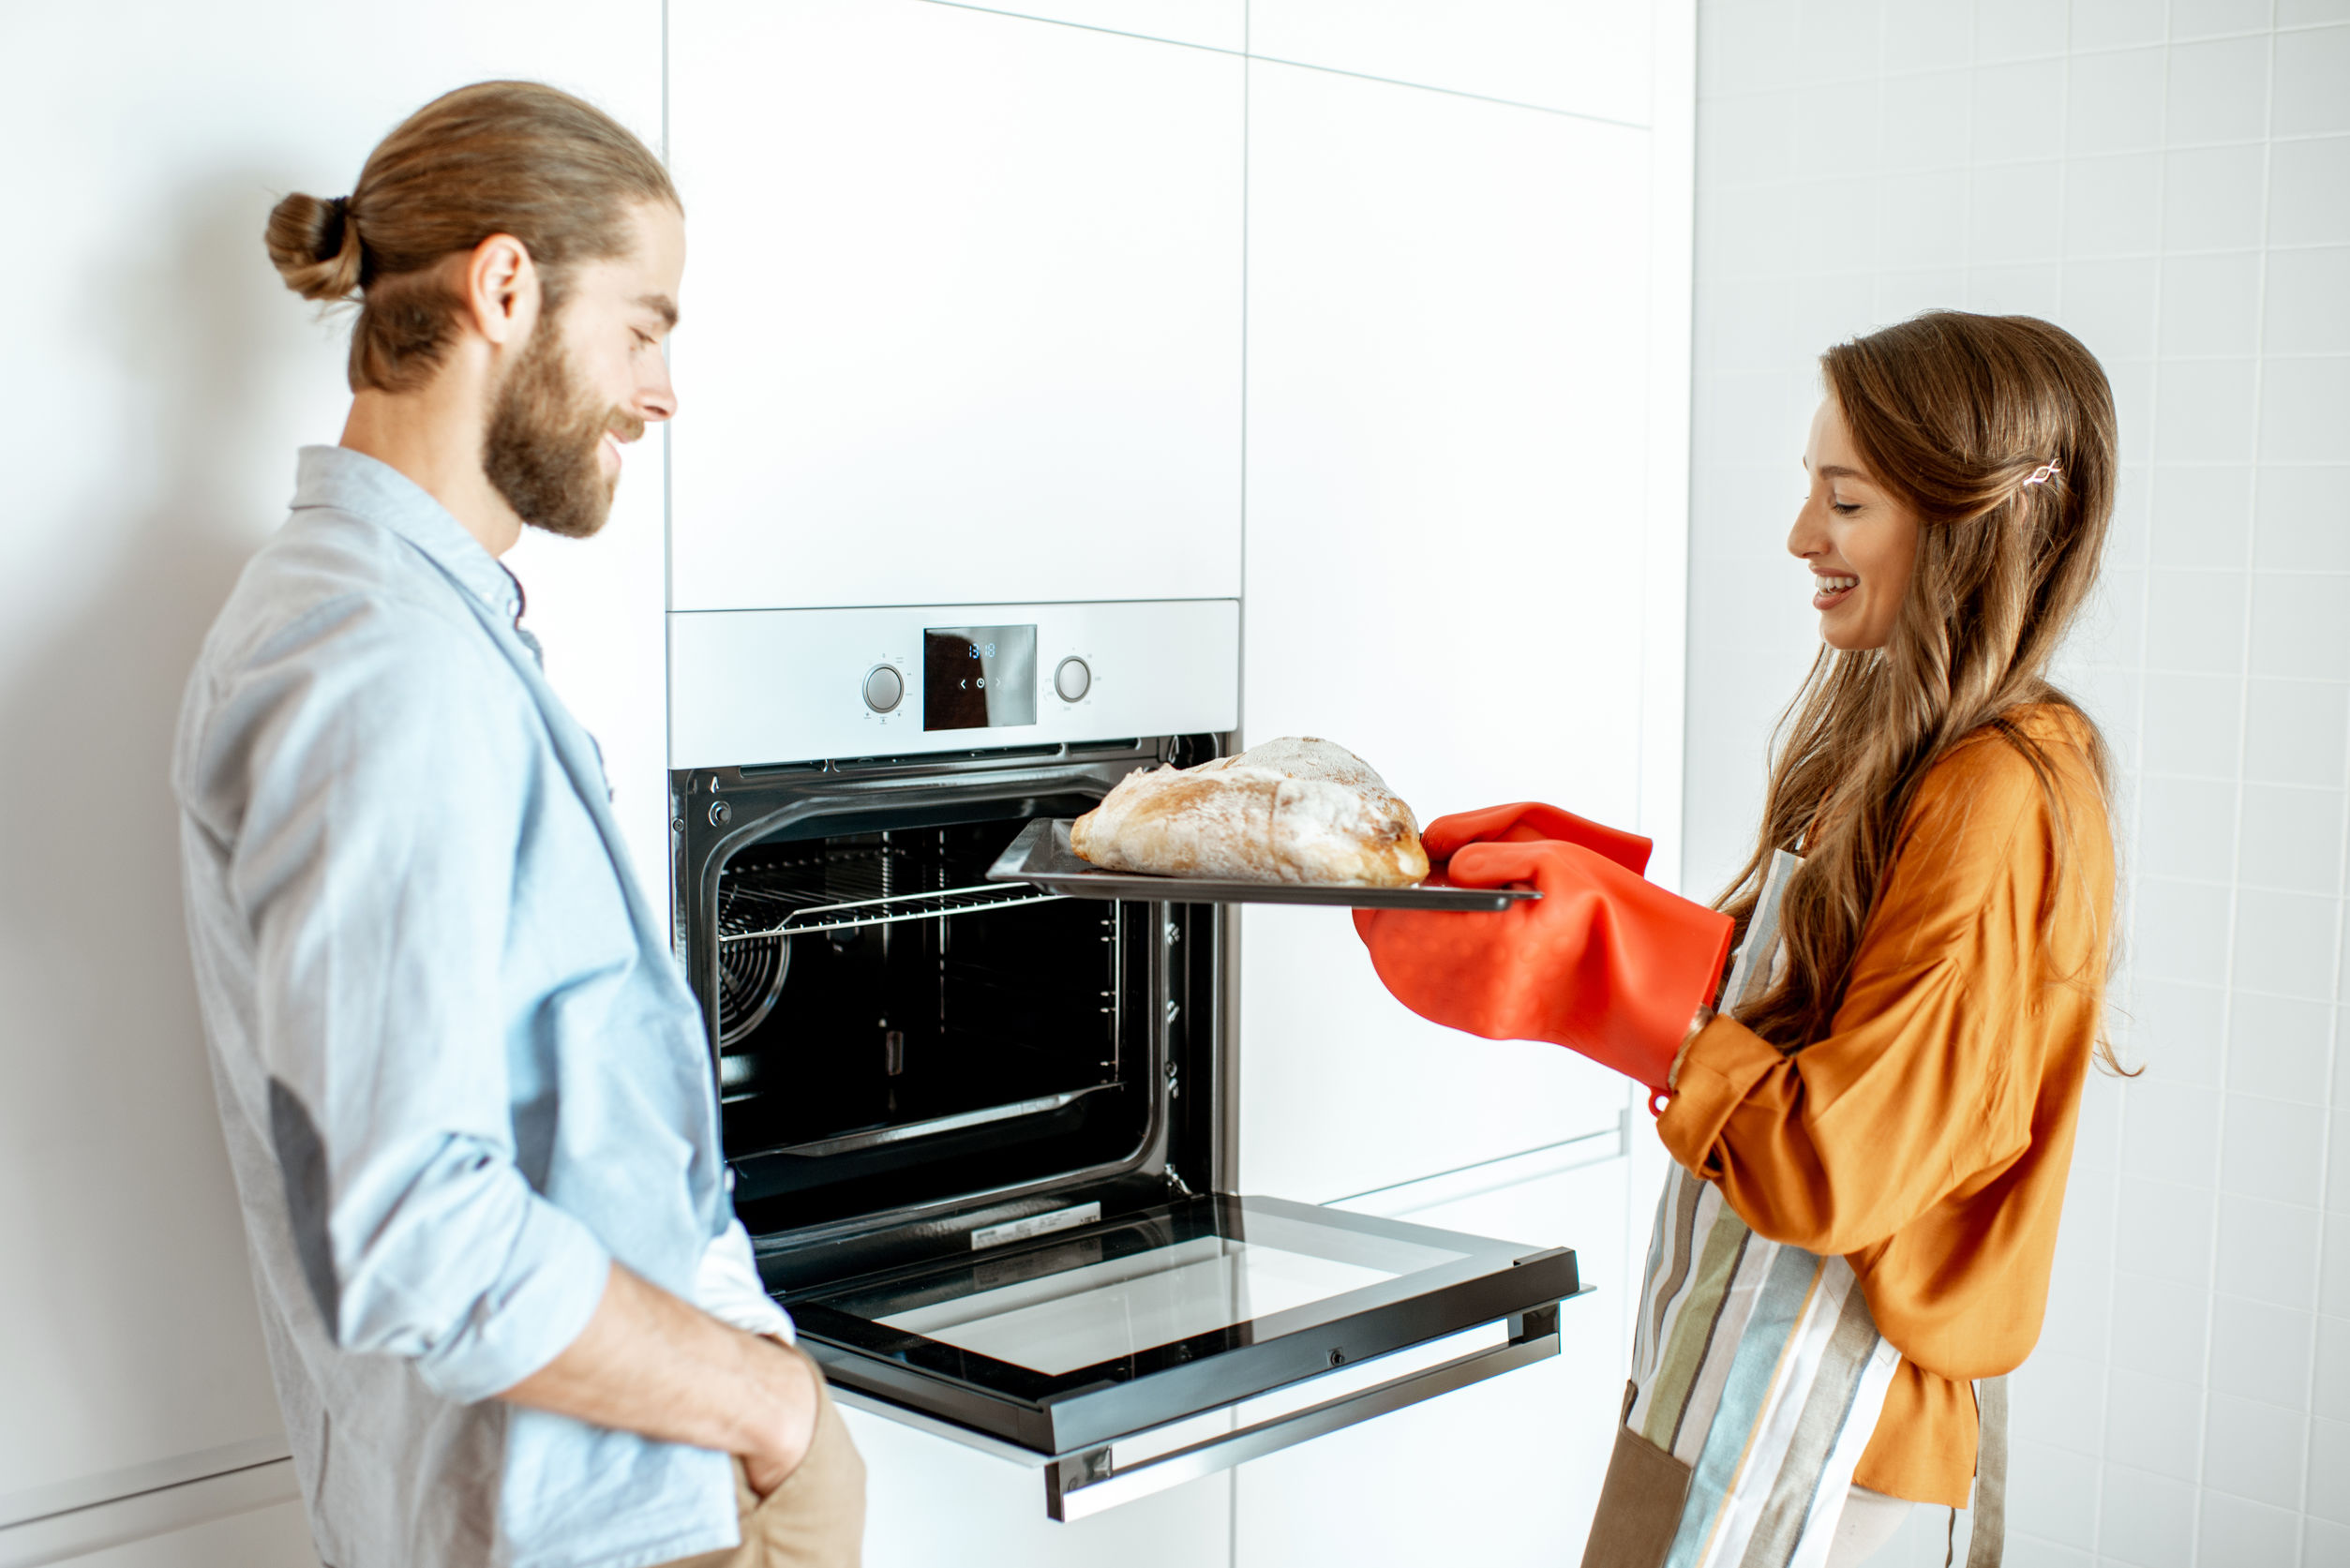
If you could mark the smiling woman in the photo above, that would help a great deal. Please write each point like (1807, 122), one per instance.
(1968, 564)
(1859, 542)
(1904, 1091)
(1889, 1100)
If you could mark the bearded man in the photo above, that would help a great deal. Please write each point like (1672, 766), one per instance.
(467, 1096)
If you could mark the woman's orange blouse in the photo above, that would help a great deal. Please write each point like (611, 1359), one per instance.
(1927, 1137)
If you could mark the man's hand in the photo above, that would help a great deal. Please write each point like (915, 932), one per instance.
(650, 1363)
(795, 1400)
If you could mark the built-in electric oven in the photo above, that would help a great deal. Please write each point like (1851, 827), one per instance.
(982, 1135)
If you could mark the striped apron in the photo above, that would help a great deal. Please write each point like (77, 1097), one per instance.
(1758, 1376)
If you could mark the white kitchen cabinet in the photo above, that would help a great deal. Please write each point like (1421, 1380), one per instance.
(930, 1501)
(1209, 23)
(1448, 429)
(1501, 1473)
(962, 323)
(277, 1536)
(167, 1530)
(1586, 57)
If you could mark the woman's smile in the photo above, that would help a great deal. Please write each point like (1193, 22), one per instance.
(1829, 591)
(1858, 541)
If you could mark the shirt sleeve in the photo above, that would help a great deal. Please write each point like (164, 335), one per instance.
(1924, 1087)
(383, 776)
(728, 1287)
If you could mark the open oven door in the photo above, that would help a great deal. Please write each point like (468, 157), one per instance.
(1130, 1355)
(1025, 1240)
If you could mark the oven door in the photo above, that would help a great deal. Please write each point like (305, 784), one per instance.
(1130, 1355)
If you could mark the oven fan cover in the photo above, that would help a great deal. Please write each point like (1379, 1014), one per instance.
(766, 900)
(750, 975)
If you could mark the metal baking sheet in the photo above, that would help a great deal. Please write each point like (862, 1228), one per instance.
(1041, 855)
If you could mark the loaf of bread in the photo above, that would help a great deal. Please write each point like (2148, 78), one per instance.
(1293, 810)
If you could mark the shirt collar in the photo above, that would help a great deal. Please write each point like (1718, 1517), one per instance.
(365, 488)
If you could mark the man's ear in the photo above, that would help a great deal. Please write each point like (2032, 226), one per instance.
(502, 289)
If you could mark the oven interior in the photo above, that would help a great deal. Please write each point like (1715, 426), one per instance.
(899, 1041)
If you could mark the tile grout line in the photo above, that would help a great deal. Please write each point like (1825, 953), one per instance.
(2101, 52)
(2135, 836)
(2326, 1153)
(2236, 840)
(2113, 1201)
(2328, 1113)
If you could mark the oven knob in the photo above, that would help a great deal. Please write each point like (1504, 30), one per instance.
(1072, 681)
(884, 688)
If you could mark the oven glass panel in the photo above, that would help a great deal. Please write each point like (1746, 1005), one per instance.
(1160, 1313)
(1104, 1311)
(1175, 1283)
(979, 677)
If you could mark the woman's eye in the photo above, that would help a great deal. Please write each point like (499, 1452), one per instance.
(1843, 508)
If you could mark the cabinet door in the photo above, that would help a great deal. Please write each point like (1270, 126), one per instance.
(276, 1536)
(930, 1501)
(1581, 56)
(1209, 23)
(963, 317)
(1447, 425)
(1503, 1474)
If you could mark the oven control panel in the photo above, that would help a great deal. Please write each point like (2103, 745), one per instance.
(753, 687)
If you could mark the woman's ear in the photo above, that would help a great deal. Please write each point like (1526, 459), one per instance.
(502, 289)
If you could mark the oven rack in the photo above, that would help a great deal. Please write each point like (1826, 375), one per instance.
(809, 919)
(805, 897)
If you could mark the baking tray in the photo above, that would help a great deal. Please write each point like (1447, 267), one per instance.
(1041, 855)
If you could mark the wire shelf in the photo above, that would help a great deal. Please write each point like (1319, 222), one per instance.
(839, 889)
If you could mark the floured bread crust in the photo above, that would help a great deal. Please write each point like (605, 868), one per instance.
(1293, 810)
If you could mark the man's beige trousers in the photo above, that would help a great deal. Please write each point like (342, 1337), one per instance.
(815, 1518)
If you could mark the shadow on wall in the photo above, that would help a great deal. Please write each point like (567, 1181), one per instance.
(117, 1108)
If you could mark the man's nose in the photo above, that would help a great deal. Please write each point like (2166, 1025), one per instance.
(657, 400)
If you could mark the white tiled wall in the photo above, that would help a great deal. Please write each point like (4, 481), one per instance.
(2172, 181)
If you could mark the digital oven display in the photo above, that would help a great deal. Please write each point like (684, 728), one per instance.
(979, 677)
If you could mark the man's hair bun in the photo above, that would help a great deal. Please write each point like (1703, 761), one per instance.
(498, 157)
(316, 246)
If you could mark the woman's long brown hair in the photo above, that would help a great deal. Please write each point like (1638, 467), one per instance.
(1952, 413)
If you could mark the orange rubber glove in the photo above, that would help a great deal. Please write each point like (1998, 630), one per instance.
(1528, 822)
(1604, 962)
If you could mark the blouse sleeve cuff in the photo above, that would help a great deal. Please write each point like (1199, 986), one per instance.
(1723, 1066)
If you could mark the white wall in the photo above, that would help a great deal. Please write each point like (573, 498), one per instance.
(2171, 182)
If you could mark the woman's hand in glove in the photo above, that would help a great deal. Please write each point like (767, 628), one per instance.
(1604, 962)
(1531, 821)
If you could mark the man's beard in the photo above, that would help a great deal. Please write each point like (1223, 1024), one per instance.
(545, 433)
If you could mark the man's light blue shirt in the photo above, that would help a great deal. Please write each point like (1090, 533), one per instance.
(459, 1072)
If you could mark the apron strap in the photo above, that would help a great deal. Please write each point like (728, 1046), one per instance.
(1987, 1542)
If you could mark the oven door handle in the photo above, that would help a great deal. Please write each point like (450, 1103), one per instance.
(1081, 1484)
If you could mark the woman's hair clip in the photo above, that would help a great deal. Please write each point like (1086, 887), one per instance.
(2045, 472)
